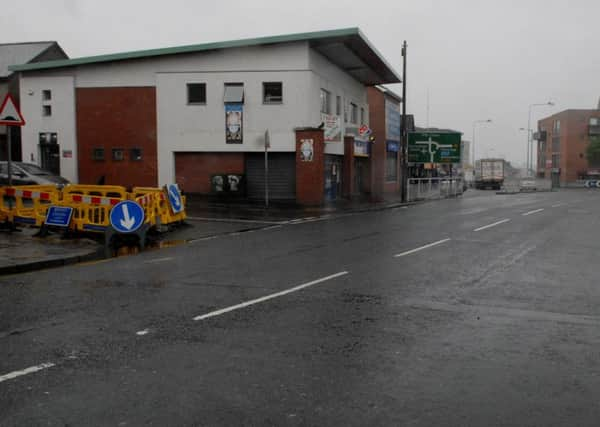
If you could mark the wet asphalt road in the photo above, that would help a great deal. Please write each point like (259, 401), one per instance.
(499, 326)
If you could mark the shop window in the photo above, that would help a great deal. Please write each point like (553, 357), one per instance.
(135, 154)
(98, 154)
(196, 93)
(234, 93)
(118, 154)
(272, 92)
(391, 166)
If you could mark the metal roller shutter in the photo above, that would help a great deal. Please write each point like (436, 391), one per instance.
(282, 176)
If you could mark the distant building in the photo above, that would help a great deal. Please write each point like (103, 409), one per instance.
(20, 53)
(562, 142)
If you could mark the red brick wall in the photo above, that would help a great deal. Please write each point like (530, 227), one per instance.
(310, 176)
(574, 140)
(193, 171)
(120, 117)
(348, 178)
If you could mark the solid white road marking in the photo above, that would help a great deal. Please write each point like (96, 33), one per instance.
(272, 227)
(243, 221)
(142, 333)
(158, 260)
(533, 212)
(492, 225)
(412, 251)
(27, 371)
(558, 205)
(268, 297)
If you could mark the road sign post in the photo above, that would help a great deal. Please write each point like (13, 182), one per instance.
(10, 116)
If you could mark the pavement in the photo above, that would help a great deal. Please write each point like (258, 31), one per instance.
(480, 310)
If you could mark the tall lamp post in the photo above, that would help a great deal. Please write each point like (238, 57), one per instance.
(529, 139)
(473, 139)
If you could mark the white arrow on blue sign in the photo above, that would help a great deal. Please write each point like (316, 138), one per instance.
(127, 216)
(175, 198)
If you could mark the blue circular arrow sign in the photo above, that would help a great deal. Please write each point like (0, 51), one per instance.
(127, 216)
(175, 198)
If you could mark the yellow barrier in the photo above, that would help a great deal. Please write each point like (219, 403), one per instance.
(27, 204)
(91, 205)
(161, 205)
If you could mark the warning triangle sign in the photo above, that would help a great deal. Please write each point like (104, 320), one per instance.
(10, 114)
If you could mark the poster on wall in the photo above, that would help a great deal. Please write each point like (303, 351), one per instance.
(234, 123)
(306, 150)
(332, 127)
(392, 120)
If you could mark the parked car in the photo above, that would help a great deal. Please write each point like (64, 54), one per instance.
(29, 174)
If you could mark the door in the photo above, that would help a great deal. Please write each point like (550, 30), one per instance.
(282, 176)
(333, 177)
(49, 157)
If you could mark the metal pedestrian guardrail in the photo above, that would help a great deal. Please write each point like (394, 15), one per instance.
(434, 188)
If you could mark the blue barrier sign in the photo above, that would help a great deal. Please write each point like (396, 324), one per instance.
(127, 216)
(58, 216)
(175, 198)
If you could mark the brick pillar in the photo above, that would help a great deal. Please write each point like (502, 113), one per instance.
(348, 178)
(310, 169)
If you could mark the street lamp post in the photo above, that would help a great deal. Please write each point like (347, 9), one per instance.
(529, 145)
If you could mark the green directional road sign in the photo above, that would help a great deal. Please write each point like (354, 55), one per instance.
(434, 147)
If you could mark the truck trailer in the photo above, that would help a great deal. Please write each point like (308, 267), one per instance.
(489, 173)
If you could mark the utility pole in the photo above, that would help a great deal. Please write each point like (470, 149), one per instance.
(404, 133)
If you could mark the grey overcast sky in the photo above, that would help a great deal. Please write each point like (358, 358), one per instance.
(477, 59)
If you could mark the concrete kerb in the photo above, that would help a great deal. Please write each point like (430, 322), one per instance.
(51, 263)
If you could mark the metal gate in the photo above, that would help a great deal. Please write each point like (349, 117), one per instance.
(282, 176)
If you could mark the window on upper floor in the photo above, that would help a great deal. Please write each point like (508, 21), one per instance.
(338, 105)
(272, 92)
(98, 154)
(196, 93)
(234, 93)
(118, 154)
(135, 154)
(46, 95)
(556, 126)
(353, 113)
(46, 110)
(594, 121)
(362, 116)
(325, 101)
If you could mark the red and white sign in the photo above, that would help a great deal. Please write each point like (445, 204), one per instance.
(10, 114)
(364, 130)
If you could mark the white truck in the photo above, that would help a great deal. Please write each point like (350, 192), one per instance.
(489, 173)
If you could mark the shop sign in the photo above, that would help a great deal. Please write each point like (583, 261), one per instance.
(361, 148)
(392, 146)
(392, 120)
(332, 127)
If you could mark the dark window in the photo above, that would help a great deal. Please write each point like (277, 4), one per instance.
(556, 144)
(46, 95)
(556, 161)
(272, 92)
(135, 154)
(325, 101)
(118, 154)
(353, 113)
(46, 110)
(338, 105)
(196, 93)
(98, 154)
